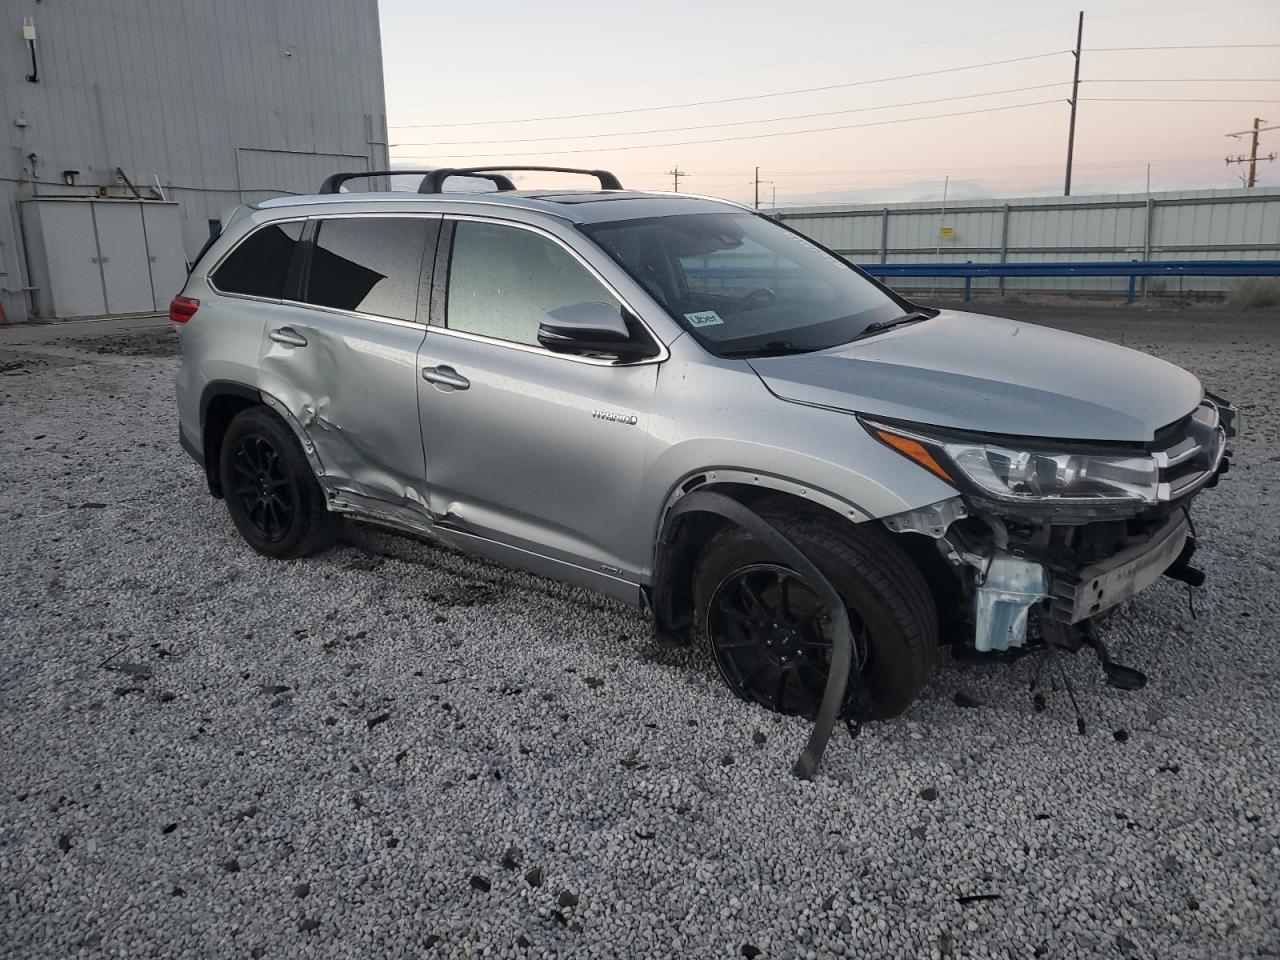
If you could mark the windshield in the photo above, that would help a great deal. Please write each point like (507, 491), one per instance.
(743, 285)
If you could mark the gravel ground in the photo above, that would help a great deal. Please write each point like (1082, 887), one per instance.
(391, 750)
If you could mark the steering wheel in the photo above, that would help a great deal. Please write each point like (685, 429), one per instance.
(760, 296)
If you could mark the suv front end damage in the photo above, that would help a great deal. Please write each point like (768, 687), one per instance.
(1065, 529)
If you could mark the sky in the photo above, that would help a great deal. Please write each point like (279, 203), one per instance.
(929, 95)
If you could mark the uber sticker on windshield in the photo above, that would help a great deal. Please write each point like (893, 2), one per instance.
(705, 318)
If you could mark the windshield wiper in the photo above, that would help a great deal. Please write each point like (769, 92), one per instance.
(915, 316)
(774, 348)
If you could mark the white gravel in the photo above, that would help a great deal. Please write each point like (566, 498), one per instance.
(334, 757)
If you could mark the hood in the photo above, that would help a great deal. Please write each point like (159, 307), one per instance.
(973, 372)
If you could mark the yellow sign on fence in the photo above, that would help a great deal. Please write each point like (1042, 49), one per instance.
(946, 233)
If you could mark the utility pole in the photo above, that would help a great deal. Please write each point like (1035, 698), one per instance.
(1252, 159)
(770, 183)
(676, 174)
(1075, 98)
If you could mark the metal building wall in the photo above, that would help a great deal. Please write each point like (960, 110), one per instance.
(1183, 225)
(218, 100)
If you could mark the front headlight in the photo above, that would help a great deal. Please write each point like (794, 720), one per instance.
(1022, 474)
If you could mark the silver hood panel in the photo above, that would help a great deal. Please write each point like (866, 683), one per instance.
(973, 372)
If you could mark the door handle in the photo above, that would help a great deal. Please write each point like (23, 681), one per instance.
(445, 377)
(288, 336)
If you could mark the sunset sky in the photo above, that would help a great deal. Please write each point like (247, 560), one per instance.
(610, 85)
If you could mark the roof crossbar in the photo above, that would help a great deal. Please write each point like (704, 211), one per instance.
(433, 182)
(334, 182)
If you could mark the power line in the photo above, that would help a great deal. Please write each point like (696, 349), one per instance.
(1172, 100)
(1166, 12)
(829, 56)
(753, 136)
(732, 123)
(833, 113)
(1183, 80)
(743, 99)
(1190, 46)
(739, 67)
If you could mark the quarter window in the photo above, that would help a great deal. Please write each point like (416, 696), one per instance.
(504, 281)
(370, 265)
(259, 266)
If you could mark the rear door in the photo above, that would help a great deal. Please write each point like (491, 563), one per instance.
(342, 355)
(539, 451)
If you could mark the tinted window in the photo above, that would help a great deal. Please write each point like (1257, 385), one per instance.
(504, 281)
(259, 266)
(371, 265)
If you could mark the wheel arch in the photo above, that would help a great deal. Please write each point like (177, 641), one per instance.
(679, 537)
(220, 402)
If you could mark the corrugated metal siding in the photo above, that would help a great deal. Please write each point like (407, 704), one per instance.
(180, 90)
(1221, 224)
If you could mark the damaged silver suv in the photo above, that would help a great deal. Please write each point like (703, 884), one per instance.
(689, 407)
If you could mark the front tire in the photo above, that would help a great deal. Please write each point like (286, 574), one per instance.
(770, 637)
(270, 489)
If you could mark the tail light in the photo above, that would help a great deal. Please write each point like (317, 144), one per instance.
(182, 309)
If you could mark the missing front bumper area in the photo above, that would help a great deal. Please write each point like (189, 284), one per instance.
(1066, 574)
(1098, 587)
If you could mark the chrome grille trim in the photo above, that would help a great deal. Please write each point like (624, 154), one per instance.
(1190, 459)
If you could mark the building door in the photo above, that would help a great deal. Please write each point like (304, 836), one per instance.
(71, 276)
(122, 246)
(164, 251)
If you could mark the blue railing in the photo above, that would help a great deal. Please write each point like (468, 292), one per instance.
(1079, 268)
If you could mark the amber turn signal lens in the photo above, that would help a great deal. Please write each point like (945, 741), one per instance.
(914, 450)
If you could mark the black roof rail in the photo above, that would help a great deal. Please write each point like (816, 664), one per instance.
(433, 182)
(333, 184)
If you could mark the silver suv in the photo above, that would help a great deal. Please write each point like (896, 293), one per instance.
(694, 409)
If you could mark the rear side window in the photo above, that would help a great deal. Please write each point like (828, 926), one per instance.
(370, 265)
(259, 266)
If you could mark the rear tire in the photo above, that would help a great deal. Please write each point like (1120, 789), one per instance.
(891, 611)
(270, 489)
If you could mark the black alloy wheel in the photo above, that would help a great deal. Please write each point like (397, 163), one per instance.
(771, 638)
(266, 494)
(271, 489)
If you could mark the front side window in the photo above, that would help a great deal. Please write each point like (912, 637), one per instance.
(259, 265)
(743, 284)
(505, 281)
(368, 264)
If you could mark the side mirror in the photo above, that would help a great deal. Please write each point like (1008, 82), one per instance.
(591, 328)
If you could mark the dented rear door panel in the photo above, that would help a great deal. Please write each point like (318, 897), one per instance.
(348, 377)
(352, 389)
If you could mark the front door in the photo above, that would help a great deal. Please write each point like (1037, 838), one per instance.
(342, 358)
(540, 451)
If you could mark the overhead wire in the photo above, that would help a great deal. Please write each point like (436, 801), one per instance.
(1175, 100)
(740, 99)
(1189, 46)
(740, 67)
(735, 123)
(760, 136)
(632, 81)
(848, 110)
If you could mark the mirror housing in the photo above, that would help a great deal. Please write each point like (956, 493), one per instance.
(591, 328)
